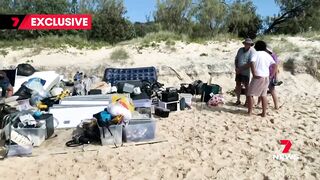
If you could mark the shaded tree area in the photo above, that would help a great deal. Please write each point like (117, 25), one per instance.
(295, 16)
(201, 18)
(109, 23)
(195, 18)
(243, 19)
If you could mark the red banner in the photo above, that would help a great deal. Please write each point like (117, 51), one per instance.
(56, 21)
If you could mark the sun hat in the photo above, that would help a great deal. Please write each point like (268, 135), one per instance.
(248, 41)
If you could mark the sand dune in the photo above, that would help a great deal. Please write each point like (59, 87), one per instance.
(202, 143)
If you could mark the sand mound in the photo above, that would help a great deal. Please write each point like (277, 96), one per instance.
(202, 143)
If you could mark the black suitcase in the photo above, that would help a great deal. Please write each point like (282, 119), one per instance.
(161, 112)
(95, 91)
(170, 95)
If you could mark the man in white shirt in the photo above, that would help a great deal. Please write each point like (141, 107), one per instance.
(260, 63)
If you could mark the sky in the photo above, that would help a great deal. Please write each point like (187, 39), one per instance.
(138, 10)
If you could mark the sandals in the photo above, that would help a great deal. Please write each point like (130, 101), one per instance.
(277, 83)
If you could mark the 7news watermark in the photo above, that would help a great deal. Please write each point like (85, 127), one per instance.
(285, 156)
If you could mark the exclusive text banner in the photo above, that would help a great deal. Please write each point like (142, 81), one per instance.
(46, 21)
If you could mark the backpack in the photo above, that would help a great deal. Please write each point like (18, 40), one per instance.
(209, 91)
(194, 88)
(86, 133)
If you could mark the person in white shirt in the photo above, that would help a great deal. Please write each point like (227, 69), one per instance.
(260, 63)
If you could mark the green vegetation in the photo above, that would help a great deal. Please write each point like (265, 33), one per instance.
(296, 16)
(290, 65)
(184, 20)
(4, 52)
(313, 66)
(29, 61)
(285, 46)
(119, 54)
(206, 18)
(53, 41)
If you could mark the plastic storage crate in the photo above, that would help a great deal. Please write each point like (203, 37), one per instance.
(115, 75)
(172, 106)
(20, 150)
(49, 124)
(107, 139)
(36, 135)
(140, 130)
(142, 103)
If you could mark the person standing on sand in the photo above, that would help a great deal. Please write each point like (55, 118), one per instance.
(273, 79)
(243, 59)
(260, 63)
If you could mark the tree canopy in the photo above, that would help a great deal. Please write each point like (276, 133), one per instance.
(296, 16)
(196, 18)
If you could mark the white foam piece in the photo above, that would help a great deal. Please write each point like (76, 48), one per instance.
(51, 78)
(85, 103)
(71, 117)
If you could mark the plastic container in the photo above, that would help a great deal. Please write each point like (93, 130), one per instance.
(20, 150)
(128, 88)
(36, 135)
(142, 103)
(49, 124)
(187, 97)
(107, 138)
(140, 130)
(24, 105)
(172, 106)
(142, 113)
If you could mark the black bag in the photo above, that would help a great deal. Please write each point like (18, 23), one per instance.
(187, 88)
(143, 95)
(161, 112)
(90, 134)
(199, 87)
(25, 70)
(23, 92)
(170, 95)
(95, 91)
(208, 90)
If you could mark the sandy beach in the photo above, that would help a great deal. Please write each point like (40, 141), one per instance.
(201, 143)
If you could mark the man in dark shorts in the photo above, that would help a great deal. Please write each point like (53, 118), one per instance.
(243, 59)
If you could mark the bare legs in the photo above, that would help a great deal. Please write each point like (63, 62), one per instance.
(274, 98)
(238, 91)
(246, 85)
(264, 105)
(250, 104)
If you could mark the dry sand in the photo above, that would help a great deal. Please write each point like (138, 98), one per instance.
(202, 143)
